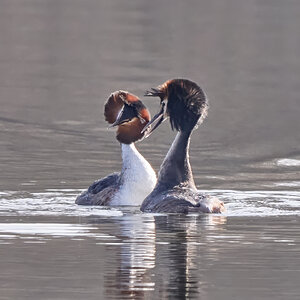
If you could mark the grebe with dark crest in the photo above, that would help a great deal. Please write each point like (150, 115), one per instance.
(184, 102)
(137, 178)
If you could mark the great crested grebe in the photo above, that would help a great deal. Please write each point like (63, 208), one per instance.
(184, 102)
(137, 178)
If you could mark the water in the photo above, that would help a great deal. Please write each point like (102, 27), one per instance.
(59, 60)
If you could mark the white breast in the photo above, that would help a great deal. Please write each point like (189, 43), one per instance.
(137, 178)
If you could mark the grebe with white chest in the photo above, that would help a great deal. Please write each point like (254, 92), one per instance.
(137, 178)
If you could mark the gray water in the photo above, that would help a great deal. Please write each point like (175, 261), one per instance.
(60, 59)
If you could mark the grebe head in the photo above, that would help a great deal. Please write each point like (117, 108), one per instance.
(126, 111)
(183, 101)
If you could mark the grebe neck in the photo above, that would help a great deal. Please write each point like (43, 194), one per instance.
(130, 157)
(176, 169)
(137, 178)
(135, 169)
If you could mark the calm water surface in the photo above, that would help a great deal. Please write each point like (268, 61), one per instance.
(59, 60)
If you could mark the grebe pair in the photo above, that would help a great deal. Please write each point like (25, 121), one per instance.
(184, 102)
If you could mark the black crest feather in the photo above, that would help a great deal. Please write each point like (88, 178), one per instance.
(187, 104)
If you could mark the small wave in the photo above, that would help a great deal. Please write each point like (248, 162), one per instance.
(40, 231)
(259, 203)
(286, 162)
(45, 229)
(50, 203)
(288, 183)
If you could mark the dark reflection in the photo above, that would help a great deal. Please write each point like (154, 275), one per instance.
(175, 256)
(159, 255)
(179, 260)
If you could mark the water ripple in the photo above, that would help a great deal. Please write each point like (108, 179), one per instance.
(55, 202)
(259, 203)
(286, 162)
(50, 202)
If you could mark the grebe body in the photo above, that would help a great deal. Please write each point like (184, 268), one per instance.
(137, 178)
(184, 102)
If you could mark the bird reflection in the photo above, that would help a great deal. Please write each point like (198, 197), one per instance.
(136, 257)
(179, 260)
(160, 256)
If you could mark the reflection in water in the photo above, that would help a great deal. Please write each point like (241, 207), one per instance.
(160, 251)
(139, 255)
(135, 257)
(181, 257)
(144, 256)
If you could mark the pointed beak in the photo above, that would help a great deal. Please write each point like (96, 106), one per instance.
(156, 121)
(126, 114)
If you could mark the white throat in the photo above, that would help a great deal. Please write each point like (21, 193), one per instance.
(137, 178)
